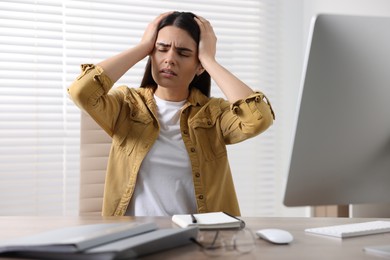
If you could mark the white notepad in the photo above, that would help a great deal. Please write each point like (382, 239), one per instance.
(212, 220)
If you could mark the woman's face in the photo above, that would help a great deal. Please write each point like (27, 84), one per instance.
(174, 62)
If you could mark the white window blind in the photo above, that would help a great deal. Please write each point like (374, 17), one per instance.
(39, 132)
(43, 44)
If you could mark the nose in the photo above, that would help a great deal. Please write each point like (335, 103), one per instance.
(170, 58)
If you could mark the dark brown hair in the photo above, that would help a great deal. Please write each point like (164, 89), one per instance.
(185, 21)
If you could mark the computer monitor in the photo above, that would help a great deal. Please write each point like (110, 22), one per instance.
(341, 144)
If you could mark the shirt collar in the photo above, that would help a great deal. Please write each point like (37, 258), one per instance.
(195, 98)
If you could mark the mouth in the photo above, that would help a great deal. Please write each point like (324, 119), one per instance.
(168, 72)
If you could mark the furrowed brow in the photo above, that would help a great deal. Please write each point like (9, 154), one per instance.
(166, 45)
(163, 44)
(183, 49)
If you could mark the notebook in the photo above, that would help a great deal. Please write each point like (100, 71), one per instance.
(212, 220)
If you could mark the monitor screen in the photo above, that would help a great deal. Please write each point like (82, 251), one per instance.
(341, 142)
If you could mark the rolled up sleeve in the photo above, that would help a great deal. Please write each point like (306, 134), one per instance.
(89, 86)
(248, 118)
(90, 92)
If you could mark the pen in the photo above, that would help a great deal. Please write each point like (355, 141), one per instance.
(193, 218)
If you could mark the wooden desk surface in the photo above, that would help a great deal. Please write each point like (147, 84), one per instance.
(304, 246)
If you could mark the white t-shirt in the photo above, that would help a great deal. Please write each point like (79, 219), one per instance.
(164, 184)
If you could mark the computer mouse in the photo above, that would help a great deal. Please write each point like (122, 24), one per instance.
(276, 236)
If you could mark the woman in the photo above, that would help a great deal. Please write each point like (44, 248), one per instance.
(168, 153)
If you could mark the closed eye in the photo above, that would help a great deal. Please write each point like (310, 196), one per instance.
(184, 53)
(162, 46)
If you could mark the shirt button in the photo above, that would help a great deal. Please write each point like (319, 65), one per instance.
(200, 197)
(185, 131)
(197, 174)
(193, 149)
(209, 122)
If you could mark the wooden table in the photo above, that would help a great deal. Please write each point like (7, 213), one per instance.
(304, 246)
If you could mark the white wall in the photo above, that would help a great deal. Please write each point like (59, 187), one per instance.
(290, 71)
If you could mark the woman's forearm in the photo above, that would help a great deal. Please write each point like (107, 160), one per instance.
(233, 88)
(116, 66)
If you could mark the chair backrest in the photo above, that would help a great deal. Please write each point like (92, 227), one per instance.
(94, 149)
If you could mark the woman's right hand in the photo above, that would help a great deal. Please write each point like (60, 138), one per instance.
(150, 34)
(117, 65)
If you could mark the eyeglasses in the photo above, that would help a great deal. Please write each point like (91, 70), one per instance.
(222, 242)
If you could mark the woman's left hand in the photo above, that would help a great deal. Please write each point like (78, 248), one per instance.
(208, 40)
(233, 88)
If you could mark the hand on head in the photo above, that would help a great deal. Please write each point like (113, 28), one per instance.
(150, 34)
(208, 40)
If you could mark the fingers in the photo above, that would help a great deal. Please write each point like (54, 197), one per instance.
(153, 25)
(208, 39)
(158, 19)
(150, 34)
(202, 22)
(206, 30)
(205, 26)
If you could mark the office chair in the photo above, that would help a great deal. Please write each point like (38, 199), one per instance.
(94, 150)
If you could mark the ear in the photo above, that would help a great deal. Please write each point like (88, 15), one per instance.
(200, 70)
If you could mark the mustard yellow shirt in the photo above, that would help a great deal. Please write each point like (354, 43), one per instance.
(207, 125)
